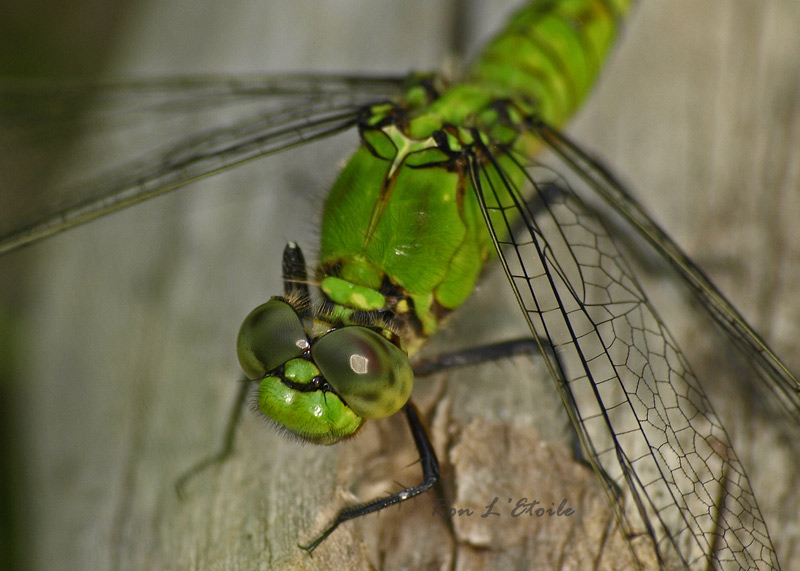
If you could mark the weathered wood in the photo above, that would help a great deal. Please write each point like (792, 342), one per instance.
(128, 360)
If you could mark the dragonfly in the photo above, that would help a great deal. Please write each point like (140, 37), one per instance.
(188, 311)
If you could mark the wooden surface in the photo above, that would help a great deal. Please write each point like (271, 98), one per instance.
(126, 361)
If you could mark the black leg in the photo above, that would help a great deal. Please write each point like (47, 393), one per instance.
(295, 277)
(227, 445)
(430, 475)
(476, 355)
(295, 284)
(503, 350)
(495, 352)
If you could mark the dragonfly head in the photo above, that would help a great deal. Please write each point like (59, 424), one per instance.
(321, 387)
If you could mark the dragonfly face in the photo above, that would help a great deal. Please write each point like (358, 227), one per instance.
(321, 387)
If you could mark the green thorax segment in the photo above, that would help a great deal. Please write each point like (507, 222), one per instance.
(402, 222)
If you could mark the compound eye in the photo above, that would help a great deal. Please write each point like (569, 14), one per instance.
(271, 335)
(371, 375)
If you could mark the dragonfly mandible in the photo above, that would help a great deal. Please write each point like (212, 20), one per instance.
(190, 309)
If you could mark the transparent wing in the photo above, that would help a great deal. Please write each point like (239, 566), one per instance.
(779, 379)
(169, 132)
(644, 422)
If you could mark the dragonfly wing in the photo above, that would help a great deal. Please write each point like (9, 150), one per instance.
(644, 422)
(779, 379)
(216, 123)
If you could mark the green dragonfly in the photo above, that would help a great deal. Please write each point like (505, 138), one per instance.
(363, 91)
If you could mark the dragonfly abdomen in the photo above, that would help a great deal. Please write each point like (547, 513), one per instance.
(550, 54)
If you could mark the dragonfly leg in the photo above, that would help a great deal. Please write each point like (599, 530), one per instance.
(295, 280)
(430, 475)
(227, 444)
(295, 283)
(503, 350)
(475, 356)
(495, 352)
